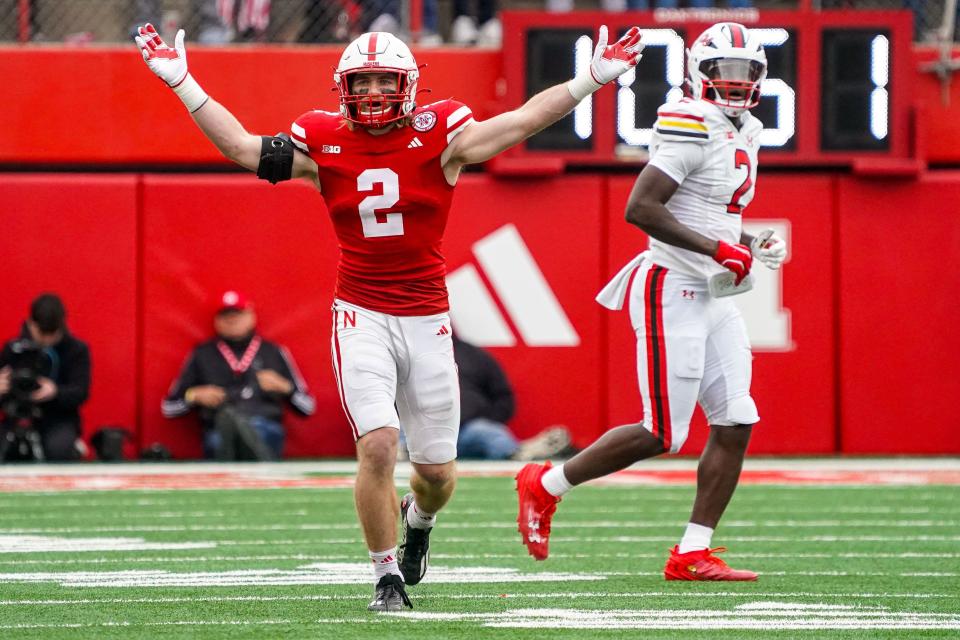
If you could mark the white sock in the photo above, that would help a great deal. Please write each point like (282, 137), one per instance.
(555, 482)
(420, 519)
(695, 538)
(384, 563)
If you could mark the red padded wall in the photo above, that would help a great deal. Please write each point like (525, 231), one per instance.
(189, 237)
(76, 235)
(899, 316)
(203, 235)
(793, 388)
(122, 114)
(561, 222)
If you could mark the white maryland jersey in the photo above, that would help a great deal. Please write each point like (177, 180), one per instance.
(715, 165)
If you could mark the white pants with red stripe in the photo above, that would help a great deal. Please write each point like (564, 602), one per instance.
(690, 347)
(398, 372)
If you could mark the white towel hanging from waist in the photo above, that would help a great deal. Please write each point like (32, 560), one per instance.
(613, 294)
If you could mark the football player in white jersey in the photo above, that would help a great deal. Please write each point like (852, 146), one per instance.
(692, 343)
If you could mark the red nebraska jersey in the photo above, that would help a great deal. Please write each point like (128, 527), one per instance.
(389, 202)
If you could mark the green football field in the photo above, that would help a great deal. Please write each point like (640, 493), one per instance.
(836, 561)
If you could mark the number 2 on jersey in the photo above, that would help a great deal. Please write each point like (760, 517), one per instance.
(741, 159)
(373, 228)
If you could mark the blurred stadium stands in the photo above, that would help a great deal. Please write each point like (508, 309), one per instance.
(301, 21)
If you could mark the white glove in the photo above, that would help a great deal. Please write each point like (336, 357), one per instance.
(609, 62)
(170, 65)
(771, 252)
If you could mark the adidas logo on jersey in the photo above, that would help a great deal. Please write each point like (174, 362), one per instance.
(414, 143)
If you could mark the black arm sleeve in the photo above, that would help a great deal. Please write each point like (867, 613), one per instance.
(276, 158)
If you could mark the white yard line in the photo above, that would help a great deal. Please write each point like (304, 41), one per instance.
(553, 595)
(457, 557)
(124, 623)
(784, 617)
(295, 468)
(485, 540)
(560, 525)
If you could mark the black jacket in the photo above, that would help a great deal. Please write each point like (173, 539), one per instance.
(206, 365)
(67, 363)
(485, 391)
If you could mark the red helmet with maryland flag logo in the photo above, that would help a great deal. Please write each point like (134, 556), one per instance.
(725, 66)
(377, 52)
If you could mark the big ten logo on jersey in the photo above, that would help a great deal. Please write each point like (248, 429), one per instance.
(330, 148)
(768, 321)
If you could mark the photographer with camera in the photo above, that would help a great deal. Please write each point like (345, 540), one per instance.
(239, 383)
(44, 378)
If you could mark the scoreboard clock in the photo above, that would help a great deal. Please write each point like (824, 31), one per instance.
(834, 94)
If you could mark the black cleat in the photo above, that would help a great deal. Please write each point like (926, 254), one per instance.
(413, 556)
(390, 595)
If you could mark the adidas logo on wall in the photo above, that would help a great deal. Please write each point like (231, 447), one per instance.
(522, 290)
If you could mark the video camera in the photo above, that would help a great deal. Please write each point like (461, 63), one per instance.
(25, 369)
(18, 438)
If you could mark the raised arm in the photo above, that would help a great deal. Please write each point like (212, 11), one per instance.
(482, 140)
(216, 122)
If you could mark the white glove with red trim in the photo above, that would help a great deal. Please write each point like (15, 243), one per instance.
(771, 253)
(734, 257)
(609, 62)
(170, 65)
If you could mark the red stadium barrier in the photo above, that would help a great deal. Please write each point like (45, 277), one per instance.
(899, 318)
(77, 236)
(203, 235)
(121, 114)
(555, 369)
(857, 368)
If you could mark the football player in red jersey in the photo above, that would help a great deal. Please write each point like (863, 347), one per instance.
(386, 168)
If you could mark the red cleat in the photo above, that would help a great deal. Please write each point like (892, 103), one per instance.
(702, 565)
(537, 507)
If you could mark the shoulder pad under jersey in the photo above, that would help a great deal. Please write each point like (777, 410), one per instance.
(310, 126)
(683, 121)
(452, 117)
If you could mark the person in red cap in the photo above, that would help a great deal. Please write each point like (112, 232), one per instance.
(239, 383)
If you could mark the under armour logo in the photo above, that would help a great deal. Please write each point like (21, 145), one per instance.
(534, 526)
(691, 295)
(443, 330)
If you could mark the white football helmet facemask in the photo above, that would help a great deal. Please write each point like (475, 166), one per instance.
(377, 52)
(725, 67)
